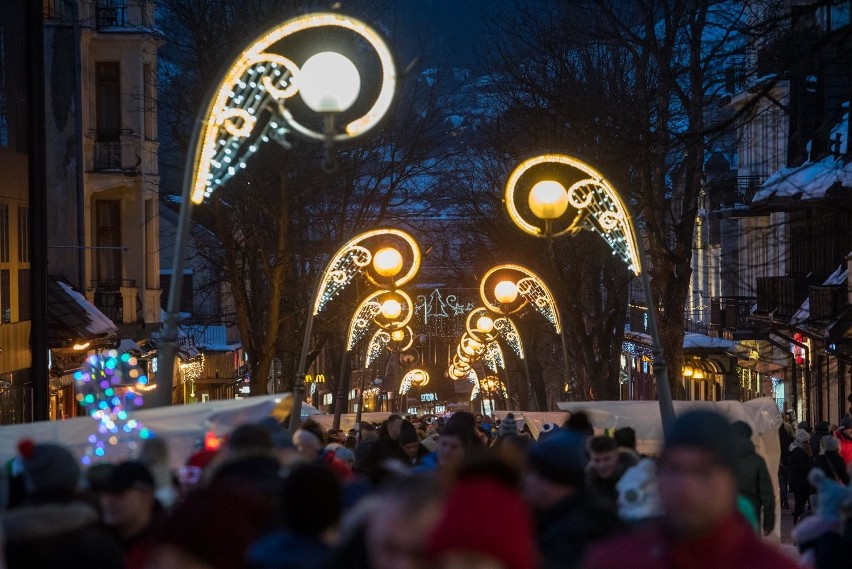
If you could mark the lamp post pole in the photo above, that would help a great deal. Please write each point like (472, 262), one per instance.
(599, 209)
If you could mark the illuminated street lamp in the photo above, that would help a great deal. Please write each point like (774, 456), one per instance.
(356, 257)
(598, 208)
(248, 107)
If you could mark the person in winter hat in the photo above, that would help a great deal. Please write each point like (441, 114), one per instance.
(508, 426)
(702, 527)
(55, 527)
(569, 516)
(486, 490)
(800, 463)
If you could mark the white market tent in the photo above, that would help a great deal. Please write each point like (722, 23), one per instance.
(183, 426)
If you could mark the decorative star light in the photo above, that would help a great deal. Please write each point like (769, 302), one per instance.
(99, 386)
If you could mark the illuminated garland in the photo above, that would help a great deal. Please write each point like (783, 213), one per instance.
(494, 357)
(192, 370)
(416, 378)
(96, 387)
(599, 208)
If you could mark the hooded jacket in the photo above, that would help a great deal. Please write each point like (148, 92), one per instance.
(753, 481)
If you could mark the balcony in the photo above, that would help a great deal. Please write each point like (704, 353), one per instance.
(827, 302)
(123, 15)
(109, 149)
(111, 298)
(728, 192)
(781, 295)
(729, 317)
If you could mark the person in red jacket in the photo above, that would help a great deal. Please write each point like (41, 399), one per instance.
(844, 435)
(701, 527)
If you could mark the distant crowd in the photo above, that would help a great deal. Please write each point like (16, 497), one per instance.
(465, 492)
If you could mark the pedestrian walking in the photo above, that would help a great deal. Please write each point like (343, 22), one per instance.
(800, 465)
(753, 481)
(701, 527)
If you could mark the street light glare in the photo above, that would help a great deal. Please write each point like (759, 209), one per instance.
(506, 292)
(397, 335)
(387, 262)
(329, 82)
(391, 309)
(548, 199)
(485, 324)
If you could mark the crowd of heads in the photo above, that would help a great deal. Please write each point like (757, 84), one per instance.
(457, 492)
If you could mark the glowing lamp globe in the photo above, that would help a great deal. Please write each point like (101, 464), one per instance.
(506, 292)
(548, 199)
(397, 335)
(698, 374)
(484, 324)
(387, 262)
(688, 371)
(329, 82)
(391, 309)
(471, 347)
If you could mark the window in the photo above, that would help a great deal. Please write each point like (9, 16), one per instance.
(23, 234)
(108, 237)
(150, 101)
(4, 233)
(24, 296)
(108, 100)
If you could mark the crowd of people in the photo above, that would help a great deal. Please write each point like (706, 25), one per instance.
(468, 492)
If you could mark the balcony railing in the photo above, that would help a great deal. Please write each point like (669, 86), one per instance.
(111, 14)
(728, 192)
(827, 302)
(108, 297)
(107, 149)
(781, 295)
(730, 312)
(124, 15)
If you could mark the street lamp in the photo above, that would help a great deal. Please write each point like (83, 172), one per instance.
(229, 130)
(357, 258)
(598, 208)
(514, 282)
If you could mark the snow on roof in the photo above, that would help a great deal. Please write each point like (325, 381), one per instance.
(98, 322)
(808, 181)
(692, 340)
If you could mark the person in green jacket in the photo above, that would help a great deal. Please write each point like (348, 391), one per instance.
(753, 480)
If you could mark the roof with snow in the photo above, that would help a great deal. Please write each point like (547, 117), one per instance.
(72, 318)
(812, 180)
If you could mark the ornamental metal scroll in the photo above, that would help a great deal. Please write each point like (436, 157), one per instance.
(354, 258)
(259, 83)
(599, 208)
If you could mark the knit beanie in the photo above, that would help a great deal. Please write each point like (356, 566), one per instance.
(407, 434)
(48, 467)
(509, 426)
(560, 457)
(460, 528)
(705, 430)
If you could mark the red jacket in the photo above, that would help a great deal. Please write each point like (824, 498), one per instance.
(732, 545)
(845, 450)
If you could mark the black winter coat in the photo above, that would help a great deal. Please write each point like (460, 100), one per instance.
(59, 536)
(800, 464)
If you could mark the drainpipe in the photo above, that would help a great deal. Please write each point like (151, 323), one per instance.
(78, 111)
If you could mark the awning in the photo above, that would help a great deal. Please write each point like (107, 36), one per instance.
(71, 319)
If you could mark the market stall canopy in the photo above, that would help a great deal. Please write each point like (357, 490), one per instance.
(183, 426)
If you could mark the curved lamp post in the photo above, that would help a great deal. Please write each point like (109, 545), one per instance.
(541, 183)
(396, 340)
(389, 266)
(509, 288)
(480, 342)
(247, 108)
